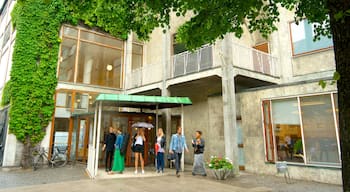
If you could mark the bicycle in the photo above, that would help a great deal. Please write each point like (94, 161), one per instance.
(58, 158)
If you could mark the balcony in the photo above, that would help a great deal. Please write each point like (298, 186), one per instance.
(247, 61)
(192, 62)
(243, 58)
(254, 60)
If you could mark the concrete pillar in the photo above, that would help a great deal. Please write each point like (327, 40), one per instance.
(229, 102)
(166, 113)
(127, 63)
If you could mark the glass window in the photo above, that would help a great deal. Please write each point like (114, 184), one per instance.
(69, 31)
(67, 60)
(3, 68)
(61, 132)
(319, 130)
(99, 65)
(63, 99)
(287, 130)
(101, 39)
(7, 34)
(302, 38)
(84, 102)
(136, 56)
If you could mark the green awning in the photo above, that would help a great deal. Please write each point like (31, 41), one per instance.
(142, 101)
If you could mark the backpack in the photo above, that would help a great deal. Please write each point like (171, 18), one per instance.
(124, 144)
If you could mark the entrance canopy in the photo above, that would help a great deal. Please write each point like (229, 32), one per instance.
(131, 101)
(142, 101)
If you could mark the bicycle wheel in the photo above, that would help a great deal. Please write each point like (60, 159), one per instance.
(38, 162)
(60, 160)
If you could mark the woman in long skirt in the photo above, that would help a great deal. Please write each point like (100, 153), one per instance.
(118, 163)
(198, 163)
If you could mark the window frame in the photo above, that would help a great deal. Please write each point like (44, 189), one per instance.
(307, 52)
(269, 101)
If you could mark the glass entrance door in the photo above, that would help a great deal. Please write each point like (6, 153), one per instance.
(80, 138)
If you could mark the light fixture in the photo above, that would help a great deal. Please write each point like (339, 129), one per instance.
(109, 67)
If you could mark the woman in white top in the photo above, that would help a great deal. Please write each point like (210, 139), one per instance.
(139, 144)
(160, 148)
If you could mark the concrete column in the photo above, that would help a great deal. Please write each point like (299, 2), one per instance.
(127, 63)
(229, 102)
(166, 113)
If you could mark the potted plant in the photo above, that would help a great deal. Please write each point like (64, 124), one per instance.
(220, 167)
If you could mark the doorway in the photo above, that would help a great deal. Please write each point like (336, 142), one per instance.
(80, 137)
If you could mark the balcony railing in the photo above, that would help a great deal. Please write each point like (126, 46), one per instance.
(254, 60)
(191, 62)
(185, 63)
(147, 74)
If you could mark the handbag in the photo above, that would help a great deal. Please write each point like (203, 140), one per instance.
(171, 156)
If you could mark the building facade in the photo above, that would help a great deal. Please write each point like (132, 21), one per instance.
(256, 100)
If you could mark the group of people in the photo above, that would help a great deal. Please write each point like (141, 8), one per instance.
(114, 145)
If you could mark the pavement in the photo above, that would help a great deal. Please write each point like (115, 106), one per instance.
(74, 178)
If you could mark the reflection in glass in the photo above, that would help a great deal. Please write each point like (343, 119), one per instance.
(99, 65)
(67, 60)
(69, 31)
(61, 132)
(101, 39)
(84, 102)
(286, 126)
(319, 130)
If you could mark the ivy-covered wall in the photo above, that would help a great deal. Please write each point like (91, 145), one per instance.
(30, 91)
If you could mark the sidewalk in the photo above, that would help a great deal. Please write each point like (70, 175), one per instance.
(74, 178)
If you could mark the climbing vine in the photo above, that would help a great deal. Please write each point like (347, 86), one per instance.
(33, 80)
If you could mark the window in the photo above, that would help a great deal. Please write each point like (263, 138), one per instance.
(90, 58)
(3, 67)
(6, 35)
(137, 52)
(83, 102)
(68, 54)
(302, 38)
(287, 130)
(61, 132)
(99, 65)
(304, 130)
(319, 130)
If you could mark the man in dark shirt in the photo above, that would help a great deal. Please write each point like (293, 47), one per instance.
(109, 147)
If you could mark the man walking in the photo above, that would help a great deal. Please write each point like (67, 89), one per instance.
(177, 145)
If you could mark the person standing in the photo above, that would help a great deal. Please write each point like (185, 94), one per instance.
(109, 148)
(160, 143)
(140, 139)
(177, 145)
(198, 164)
(118, 163)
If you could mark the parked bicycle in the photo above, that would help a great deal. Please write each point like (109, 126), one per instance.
(58, 158)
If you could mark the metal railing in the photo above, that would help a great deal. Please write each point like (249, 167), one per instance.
(254, 60)
(191, 62)
(147, 74)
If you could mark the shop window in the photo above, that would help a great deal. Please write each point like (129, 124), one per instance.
(304, 130)
(302, 38)
(319, 130)
(137, 52)
(67, 60)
